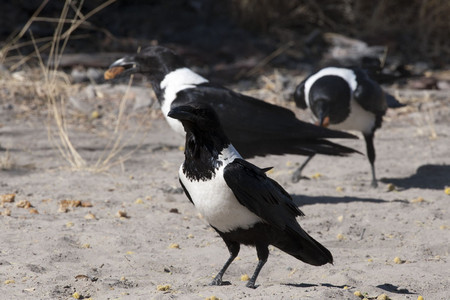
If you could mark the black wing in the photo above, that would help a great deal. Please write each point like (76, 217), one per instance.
(261, 195)
(258, 128)
(268, 200)
(369, 94)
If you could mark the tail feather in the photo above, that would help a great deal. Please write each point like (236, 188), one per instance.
(304, 247)
(302, 147)
(392, 102)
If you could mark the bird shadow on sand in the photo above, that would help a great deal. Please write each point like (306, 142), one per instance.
(386, 286)
(394, 289)
(308, 285)
(426, 177)
(301, 200)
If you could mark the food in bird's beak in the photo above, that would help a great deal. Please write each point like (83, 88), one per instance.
(326, 121)
(113, 72)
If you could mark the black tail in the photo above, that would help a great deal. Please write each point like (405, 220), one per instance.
(392, 102)
(303, 247)
(300, 138)
(302, 147)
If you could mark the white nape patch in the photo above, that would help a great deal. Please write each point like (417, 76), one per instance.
(216, 201)
(359, 119)
(346, 74)
(172, 83)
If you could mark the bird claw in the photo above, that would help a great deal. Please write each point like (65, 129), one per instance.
(251, 284)
(218, 281)
(374, 184)
(297, 176)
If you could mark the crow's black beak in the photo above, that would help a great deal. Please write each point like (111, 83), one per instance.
(324, 120)
(182, 113)
(321, 110)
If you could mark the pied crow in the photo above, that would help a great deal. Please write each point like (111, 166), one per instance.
(346, 99)
(255, 127)
(236, 197)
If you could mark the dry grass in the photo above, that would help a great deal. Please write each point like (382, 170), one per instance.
(6, 161)
(54, 87)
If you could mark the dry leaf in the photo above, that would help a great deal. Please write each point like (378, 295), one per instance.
(24, 204)
(163, 287)
(7, 198)
(90, 216)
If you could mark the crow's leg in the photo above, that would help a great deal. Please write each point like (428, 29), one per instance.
(234, 248)
(263, 254)
(298, 173)
(371, 156)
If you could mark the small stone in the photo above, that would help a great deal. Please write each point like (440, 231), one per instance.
(245, 277)
(391, 187)
(95, 115)
(122, 214)
(397, 260)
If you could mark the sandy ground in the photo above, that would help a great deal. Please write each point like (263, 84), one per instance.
(163, 241)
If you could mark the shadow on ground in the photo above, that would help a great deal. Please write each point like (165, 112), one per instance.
(308, 285)
(394, 289)
(426, 177)
(301, 200)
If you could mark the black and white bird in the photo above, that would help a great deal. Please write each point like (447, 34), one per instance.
(236, 197)
(346, 99)
(255, 127)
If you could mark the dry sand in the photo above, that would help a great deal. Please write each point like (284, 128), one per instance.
(163, 240)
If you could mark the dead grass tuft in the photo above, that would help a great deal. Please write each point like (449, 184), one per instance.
(53, 87)
(6, 162)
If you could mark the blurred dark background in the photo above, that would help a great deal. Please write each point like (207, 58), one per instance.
(233, 34)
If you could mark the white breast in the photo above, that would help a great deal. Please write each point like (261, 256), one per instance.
(216, 201)
(359, 119)
(174, 82)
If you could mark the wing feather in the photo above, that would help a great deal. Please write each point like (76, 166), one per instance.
(261, 195)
